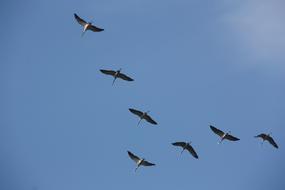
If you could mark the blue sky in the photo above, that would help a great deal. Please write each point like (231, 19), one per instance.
(195, 63)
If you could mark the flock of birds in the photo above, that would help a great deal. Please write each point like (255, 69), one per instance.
(144, 115)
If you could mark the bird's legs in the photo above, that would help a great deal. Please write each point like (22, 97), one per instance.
(182, 151)
(114, 80)
(139, 121)
(262, 142)
(82, 34)
(137, 168)
(220, 141)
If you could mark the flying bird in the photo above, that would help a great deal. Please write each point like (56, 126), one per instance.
(187, 146)
(139, 161)
(223, 135)
(267, 137)
(86, 25)
(143, 115)
(116, 74)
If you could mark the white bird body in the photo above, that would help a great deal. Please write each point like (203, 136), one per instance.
(139, 161)
(143, 115)
(87, 25)
(223, 135)
(186, 146)
(116, 74)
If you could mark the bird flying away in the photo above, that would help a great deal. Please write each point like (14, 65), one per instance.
(143, 115)
(267, 137)
(116, 74)
(187, 146)
(139, 161)
(86, 25)
(223, 135)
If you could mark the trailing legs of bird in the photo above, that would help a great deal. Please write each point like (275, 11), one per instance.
(114, 80)
(139, 121)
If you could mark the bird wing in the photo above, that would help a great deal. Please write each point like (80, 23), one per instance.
(192, 151)
(217, 131)
(271, 141)
(95, 29)
(136, 112)
(149, 119)
(182, 144)
(262, 135)
(108, 72)
(133, 157)
(125, 77)
(80, 20)
(146, 163)
(231, 138)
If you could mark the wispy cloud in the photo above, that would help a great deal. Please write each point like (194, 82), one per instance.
(259, 26)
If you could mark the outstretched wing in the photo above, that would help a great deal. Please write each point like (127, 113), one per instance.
(133, 157)
(192, 151)
(217, 131)
(125, 77)
(271, 141)
(108, 72)
(150, 120)
(146, 163)
(79, 20)
(136, 112)
(231, 138)
(182, 144)
(262, 135)
(95, 29)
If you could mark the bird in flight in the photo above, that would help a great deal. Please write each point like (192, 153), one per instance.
(267, 137)
(139, 161)
(116, 74)
(187, 146)
(143, 115)
(223, 135)
(86, 25)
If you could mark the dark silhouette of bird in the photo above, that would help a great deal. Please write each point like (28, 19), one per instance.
(116, 74)
(143, 115)
(187, 146)
(223, 135)
(267, 137)
(87, 25)
(139, 161)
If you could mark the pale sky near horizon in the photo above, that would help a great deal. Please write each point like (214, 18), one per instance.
(195, 63)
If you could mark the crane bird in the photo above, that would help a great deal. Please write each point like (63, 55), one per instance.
(223, 135)
(86, 25)
(187, 146)
(267, 137)
(143, 115)
(139, 161)
(116, 74)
